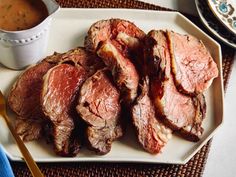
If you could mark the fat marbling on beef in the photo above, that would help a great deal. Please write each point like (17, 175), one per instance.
(178, 111)
(99, 106)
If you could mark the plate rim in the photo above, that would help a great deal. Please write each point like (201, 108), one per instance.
(214, 32)
(134, 160)
(217, 15)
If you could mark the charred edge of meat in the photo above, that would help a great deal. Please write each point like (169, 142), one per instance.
(74, 144)
(103, 137)
(203, 106)
(188, 135)
(54, 58)
(78, 57)
(150, 63)
(48, 132)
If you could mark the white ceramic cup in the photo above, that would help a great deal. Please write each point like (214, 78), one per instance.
(19, 49)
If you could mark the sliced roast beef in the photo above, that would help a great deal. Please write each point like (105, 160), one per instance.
(123, 71)
(24, 100)
(61, 84)
(118, 43)
(99, 107)
(192, 65)
(179, 111)
(152, 133)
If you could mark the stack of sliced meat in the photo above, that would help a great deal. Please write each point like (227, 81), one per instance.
(159, 79)
(115, 41)
(118, 43)
(176, 59)
(44, 98)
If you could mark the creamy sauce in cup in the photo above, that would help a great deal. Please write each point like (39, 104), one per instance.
(16, 15)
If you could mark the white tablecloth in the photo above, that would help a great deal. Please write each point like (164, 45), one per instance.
(222, 156)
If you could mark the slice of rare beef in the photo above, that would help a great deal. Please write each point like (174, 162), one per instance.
(60, 87)
(179, 111)
(152, 133)
(24, 100)
(192, 64)
(99, 107)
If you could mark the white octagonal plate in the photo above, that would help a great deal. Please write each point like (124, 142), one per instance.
(68, 30)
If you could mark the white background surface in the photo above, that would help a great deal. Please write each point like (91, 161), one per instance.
(222, 156)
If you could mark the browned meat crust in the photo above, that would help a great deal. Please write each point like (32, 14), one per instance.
(78, 56)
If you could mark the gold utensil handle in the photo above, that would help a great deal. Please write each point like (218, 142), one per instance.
(35, 171)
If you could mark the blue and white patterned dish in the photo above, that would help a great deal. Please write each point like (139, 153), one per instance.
(214, 25)
(225, 11)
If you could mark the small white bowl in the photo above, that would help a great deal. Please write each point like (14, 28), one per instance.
(18, 49)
